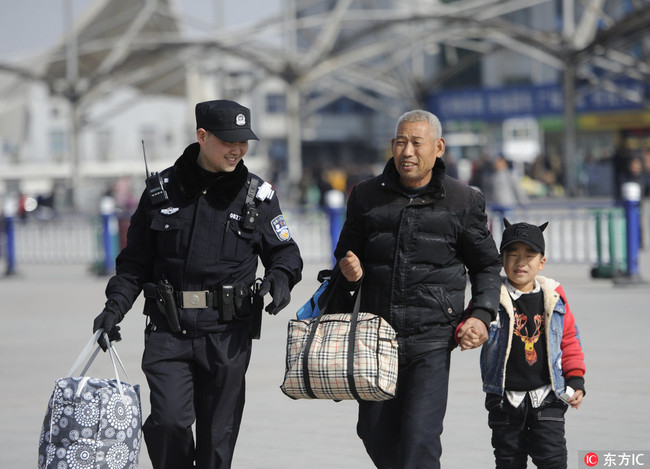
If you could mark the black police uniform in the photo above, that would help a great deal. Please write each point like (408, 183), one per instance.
(198, 243)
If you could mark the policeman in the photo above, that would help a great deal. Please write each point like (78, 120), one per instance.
(193, 246)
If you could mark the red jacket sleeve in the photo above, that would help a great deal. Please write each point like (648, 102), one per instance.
(573, 358)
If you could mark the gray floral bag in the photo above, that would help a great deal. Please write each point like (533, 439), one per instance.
(92, 423)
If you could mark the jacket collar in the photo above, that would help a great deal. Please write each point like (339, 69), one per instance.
(548, 287)
(193, 180)
(391, 177)
(515, 293)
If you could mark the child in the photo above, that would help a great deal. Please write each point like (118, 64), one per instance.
(532, 364)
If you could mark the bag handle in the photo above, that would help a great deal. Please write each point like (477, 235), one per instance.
(92, 348)
(352, 344)
(331, 283)
(354, 319)
(87, 350)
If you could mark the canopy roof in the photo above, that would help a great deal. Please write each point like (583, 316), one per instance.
(348, 49)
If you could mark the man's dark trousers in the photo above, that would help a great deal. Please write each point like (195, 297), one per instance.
(202, 378)
(404, 432)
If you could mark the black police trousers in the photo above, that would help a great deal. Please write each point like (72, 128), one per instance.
(404, 432)
(525, 430)
(197, 381)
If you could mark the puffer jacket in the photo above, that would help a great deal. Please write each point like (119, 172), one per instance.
(564, 351)
(416, 253)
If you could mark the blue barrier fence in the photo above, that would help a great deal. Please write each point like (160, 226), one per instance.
(85, 240)
(580, 234)
(574, 235)
(68, 240)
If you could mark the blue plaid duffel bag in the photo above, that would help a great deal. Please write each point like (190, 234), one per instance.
(91, 422)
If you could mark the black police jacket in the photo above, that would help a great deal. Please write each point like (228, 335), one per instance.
(196, 241)
(416, 254)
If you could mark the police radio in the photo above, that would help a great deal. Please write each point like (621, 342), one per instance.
(154, 182)
(252, 215)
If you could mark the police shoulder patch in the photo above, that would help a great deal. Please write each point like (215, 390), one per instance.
(281, 228)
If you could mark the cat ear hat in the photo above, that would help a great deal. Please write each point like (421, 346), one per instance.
(523, 232)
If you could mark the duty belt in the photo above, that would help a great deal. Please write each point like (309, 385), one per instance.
(222, 299)
(198, 299)
(238, 301)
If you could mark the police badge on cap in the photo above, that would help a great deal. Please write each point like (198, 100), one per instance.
(227, 120)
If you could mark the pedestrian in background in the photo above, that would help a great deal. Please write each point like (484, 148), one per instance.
(506, 192)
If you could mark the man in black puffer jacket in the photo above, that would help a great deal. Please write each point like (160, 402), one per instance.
(411, 236)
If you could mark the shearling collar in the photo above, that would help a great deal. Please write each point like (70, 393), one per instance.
(193, 180)
(548, 287)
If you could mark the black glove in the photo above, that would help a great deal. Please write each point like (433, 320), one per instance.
(107, 320)
(277, 282)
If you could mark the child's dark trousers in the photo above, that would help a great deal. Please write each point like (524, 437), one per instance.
(527, 431)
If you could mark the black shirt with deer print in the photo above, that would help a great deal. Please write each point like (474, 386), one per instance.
(527, 366)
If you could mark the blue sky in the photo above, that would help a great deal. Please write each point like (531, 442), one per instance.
(28, 27)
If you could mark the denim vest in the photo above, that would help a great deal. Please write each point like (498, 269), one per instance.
(495, 352)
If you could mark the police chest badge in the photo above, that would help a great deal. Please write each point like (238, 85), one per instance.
(169, 210)
(281, 228)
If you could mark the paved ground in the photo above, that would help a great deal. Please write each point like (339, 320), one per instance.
(46, 314)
